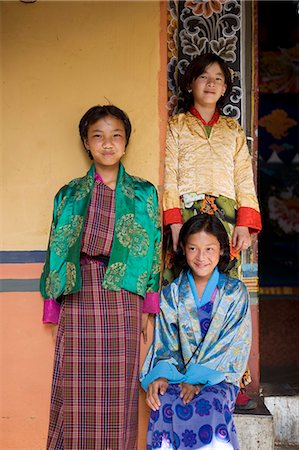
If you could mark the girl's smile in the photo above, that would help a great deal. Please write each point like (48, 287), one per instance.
(106, 140)
(202, 252)
(208, 87)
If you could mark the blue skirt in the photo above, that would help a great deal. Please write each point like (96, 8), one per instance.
(206, 422)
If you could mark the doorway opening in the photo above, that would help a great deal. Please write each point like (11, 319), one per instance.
(278, 190)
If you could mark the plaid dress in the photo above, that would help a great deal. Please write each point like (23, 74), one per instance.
(94, 403)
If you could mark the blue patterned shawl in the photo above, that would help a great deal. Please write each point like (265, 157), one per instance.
(222, 353)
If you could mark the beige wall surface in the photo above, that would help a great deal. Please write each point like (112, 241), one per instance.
(58, 59)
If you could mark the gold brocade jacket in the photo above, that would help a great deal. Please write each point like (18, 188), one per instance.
(215, 165)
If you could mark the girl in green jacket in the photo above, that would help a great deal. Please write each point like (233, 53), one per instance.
(100, 281)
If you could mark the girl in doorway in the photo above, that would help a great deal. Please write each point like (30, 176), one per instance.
(208, 168)
(201, 345)
(207, 163)
(100, 281)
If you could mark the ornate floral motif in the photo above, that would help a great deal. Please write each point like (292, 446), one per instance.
(70, 277)
(67, 235)
(127, 188)
(217, 34)
(173, 74)
(284, 212)
(166, 439)
(132, 235)
(172, 35)
(202, 407)
(74, 182)
(140, 241)
(141, 283)
(157, 439)
(205, 8)
(153, 211)
(172, 45)
(52, 231)
(156, 268)
(53, 283)
(60, 207)
(208, 205)
(172, 103)
(150, 206)
(84, 188)
(189, 438)
(114, 274)
(232, 109)
(192, 45)
(226, 48)
(157, 219)
(277, 123)
(123, 229)
(210, 25)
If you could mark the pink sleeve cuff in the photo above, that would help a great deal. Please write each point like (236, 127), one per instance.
(151, 303)
(51, 311)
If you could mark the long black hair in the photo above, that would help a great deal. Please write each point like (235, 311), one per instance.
(210, 224)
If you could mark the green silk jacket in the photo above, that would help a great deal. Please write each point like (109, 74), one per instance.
(135, 258)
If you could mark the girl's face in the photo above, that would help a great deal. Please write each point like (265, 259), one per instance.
(202, 252)
(209, 86)
(106, 140)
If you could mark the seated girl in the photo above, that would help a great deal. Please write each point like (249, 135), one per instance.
(201, 346)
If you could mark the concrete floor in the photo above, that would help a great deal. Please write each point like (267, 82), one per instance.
(281, 396)
(283, 447)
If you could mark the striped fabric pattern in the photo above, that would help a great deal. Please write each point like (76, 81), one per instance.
(94, 404)
(100, 220)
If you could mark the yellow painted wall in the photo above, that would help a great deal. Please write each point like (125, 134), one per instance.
(57, 60)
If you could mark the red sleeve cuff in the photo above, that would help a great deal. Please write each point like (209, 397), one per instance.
(151, 303)
(249, 217)
(171, 216)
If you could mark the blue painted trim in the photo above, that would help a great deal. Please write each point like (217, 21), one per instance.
(22, 257)
(249, 270)
(9, 285)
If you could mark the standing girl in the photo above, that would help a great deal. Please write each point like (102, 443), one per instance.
(101, 273)
(207, 164)
(201, 345)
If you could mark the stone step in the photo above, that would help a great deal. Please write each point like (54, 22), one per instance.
(286, 447)
(255, 428)
(282, 400)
